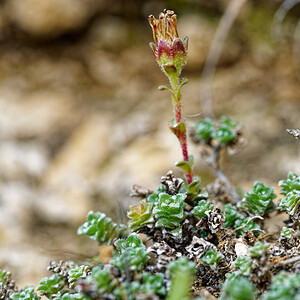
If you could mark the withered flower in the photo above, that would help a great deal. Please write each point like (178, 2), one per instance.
(170, 51)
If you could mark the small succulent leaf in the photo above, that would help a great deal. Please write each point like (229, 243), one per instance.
(287, 232)
(101, 280)
(204, 129)
(212, 258)
(132, 253)
(169, 212)
(27, 294)
(182, 264)
(284, 286)
(177, 232)
(224, 134)
(258, 201)
(100, 228)
(153, 49)
(177, 128)
(226, 122)
(250, 226)
(202, 207)
(140, 215)
(238, 288)
(191, 160)
(292, 183)
(290, 203)
(243, 264)
(51, 285)
(153, 284)
(76, 273)
(194, 186)
(73, 296)
(184, 166)
(234, 219)
(259, 249)
(153, 198)
(231, 216)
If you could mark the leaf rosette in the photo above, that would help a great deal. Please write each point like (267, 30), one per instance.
(169, 212)
(100, 228)
(259, 200)
(292, 183)
(140, 215)
(132, 253)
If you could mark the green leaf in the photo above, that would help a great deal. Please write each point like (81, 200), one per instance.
(178, 129)
(202, 207)
(212, 258)
(226, 132)
(184, 166)
(131, 253)
(250, 226)
(181, 273)
(287, 232)
(164, 88)
(182, 264)
(234, 219)
(258, 201)
(183, 82)
(76, 273)
(140, 215)
(74, 296)
(194, 186)
(100, 228)
(292, 183)
(27, 294)
(4, 276)
(226, 122)
(285, 286)
(231, 216)
(204, 129)
(169, 212)
(238, 288)
(51, 286)
(243, 264)
(225, 135)
(290, 203)
(104, 281)
(259, 249)
(153, 284)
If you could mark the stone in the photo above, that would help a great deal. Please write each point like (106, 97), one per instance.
(34, 115)
(50, 18)
(19, 160)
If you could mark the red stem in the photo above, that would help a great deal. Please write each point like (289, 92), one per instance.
(182, 137)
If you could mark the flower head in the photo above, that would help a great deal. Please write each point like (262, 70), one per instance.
(169, 50)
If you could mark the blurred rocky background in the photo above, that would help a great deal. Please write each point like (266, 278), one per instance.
(81, 119)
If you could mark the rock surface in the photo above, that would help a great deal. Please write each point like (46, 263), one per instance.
(50, 17)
